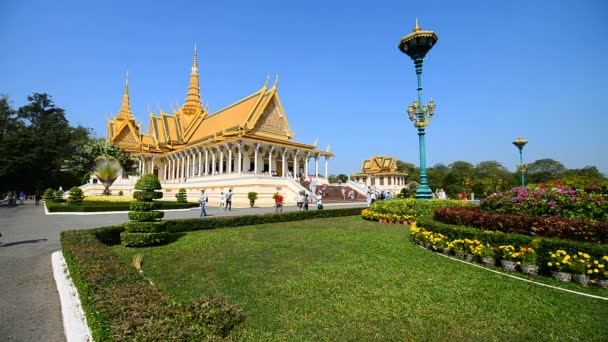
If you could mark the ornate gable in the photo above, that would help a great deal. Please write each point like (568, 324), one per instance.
(126, 137)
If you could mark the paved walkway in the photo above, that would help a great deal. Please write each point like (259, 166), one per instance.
(29, 303)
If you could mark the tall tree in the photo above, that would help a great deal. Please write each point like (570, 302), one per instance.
(544, 170)
(413, 172)
(85, 155)
(459, 178)
(490, 177)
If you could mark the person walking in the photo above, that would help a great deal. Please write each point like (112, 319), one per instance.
(228, 199)
(203, 202)
(306, 201)
(278, 203)
(300, 201)
(222, 199)
(37, 197)
(21, 197)
(320, 200)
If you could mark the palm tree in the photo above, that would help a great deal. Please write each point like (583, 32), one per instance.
(107, 170)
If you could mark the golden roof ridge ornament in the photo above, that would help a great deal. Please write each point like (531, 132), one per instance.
(417, 27)
(125, 107)
(193, 104)
(276, 81)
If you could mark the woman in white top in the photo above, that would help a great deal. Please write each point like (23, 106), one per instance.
(222, 200)
(319, 200)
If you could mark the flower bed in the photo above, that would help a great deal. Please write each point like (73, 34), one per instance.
(396, 218)
(410, 207)
(546, 254)
(570, 229)
(546, 201)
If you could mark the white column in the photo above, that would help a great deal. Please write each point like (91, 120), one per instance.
(317, 165)
(200, 161)
(283, 165)
(229, 163)
(219, 149)
(326, 167)
(206, 162)
(306, 164)
(212, 162)
(165, 168)
(187, 168)
(255, 160)
(270, 152)
(239, 164)
(296, 167)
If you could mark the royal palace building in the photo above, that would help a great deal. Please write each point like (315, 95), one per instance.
(380, 173)
(246, 146)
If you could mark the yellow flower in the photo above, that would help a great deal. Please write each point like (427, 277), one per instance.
(600, 265)
(595, 270)
(590, 272)
(595, 262)
(586, 256)
(550, 264)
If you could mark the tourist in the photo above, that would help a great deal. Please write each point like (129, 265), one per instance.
(228, 199)
(320, 200)
(343, 193)
(306, 201)
(37, 197)
(339, 182)
(203, 202)
(278, 201)
(300, 201)
(222, 199)
(21, 197)
(11, 198)
(373, 197)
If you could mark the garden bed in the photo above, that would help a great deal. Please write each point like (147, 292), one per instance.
(93, 206)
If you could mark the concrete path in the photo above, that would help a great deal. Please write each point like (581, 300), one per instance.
(29, 303)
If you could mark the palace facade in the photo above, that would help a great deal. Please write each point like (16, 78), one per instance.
(246, 146)
(380, 173)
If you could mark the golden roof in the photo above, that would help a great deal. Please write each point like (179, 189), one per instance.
(257, 117)
(380, 165)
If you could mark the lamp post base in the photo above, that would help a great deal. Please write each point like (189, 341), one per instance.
(424, 193)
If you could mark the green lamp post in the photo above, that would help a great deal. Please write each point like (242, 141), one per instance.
(416, 45)
(520, 143)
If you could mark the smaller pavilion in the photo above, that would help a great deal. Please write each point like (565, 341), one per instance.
(380, 173)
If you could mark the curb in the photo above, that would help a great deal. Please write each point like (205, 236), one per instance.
(74, 320)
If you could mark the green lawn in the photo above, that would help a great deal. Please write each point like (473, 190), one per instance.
(350, 279)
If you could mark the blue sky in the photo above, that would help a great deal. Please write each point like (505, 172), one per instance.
(500, 69)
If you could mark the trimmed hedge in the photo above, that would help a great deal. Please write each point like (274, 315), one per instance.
(145, 227)
(138, 238)
(93, 206)
(121, 305)
(545, 246)
(570, 229)
(185, 225)
(147, 196)
(75, 195)
(413, 207)
(146, 216)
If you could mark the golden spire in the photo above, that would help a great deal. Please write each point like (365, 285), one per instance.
(417, 27)
(193, 103)
(125, 108)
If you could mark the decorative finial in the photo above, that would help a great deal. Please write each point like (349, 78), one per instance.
(127, 79)
(276, 80)
(417, 27)
(194, 61)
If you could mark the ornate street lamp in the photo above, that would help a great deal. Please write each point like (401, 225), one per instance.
(520, 143)
(416, 45)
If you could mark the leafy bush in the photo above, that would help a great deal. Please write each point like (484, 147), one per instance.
(120, 193)
(252, 196)
(144, 230)
(148, 182)
(145, 227)
(544, 201)
(146, 216)
(141, 239)
(121, 305)
(147, 196)
(181, 196)
(413, 207)
(577, 230)
(543, 246)
(58, 197)
(91, 206)
(49, 195)
(75, 195)
(184, 225)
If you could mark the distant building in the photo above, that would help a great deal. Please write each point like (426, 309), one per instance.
(381, 173)
(246, 146)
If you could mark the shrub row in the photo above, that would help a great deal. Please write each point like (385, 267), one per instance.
(146, 216)
(145, 227)
(111, 236)
(184, 225)
(410, 206)
(570, 229)
(544, 246)
(90, 206)
(139, 238)
(121, 305)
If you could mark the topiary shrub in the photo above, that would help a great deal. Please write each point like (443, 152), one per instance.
(252, 196)
(181, 196)
(58, 196)
(145, 229)
(49, 195)
(120, 193)
(75, 195)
